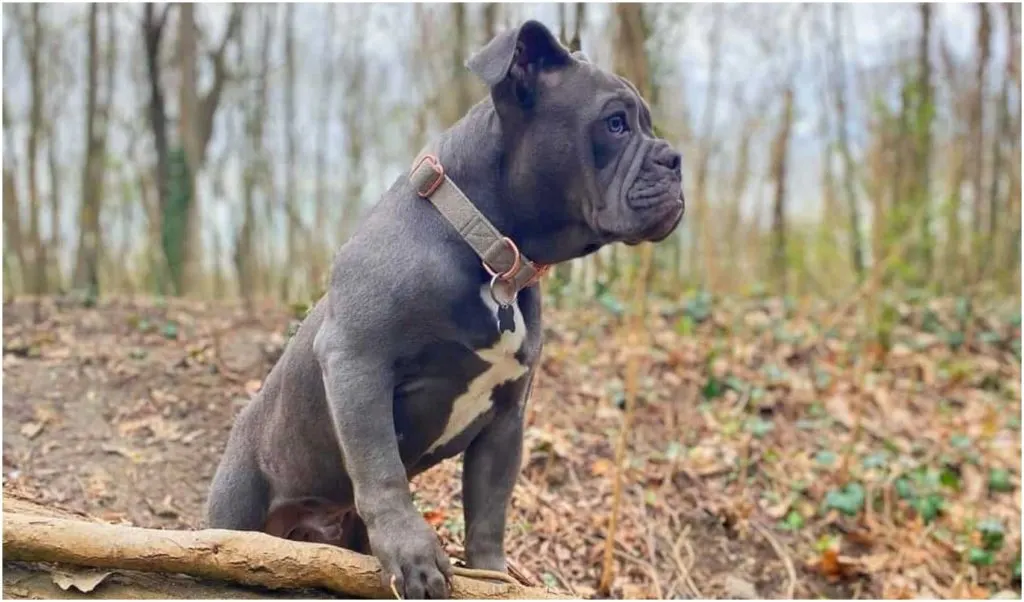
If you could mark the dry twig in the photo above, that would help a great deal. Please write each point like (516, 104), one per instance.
(635, 344)
(684, 567)
(783, 555)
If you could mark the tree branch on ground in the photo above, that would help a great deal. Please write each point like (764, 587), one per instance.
(247, 558)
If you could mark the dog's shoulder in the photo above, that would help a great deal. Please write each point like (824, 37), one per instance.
(393, 283)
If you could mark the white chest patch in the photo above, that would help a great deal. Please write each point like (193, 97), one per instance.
(503, 367)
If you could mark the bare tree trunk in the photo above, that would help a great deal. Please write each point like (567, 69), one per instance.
(188, 134)
(703, 241)
(103, 129)
(86, 272)
(54, 60)
(461, 26)
(319, 255)
(780, 153)
(13, 233)
(152, 34)
(923, 147)
(563, 19)
(13, 240)
(954, 270)
(632, 62)
(575, 43)
(631, 59)
(491, 19)
(849, 167)
(421, 60)
(246, 263)
(897, 146)
(1012, 242)
(830, 224)
(352, 121)
(978, 145)
(36, 278)
(54, 243)
(195, 126)
(993, 232)
(290, 210)
(740, 183)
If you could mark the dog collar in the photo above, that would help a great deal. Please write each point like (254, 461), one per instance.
(500, 256)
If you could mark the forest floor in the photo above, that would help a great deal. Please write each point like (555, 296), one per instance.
(773, 453)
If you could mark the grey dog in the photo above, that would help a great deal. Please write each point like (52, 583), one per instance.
(427, 340)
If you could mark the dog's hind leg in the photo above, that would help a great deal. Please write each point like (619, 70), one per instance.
(239, 494)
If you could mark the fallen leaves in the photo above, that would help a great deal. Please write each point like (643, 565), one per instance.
(903, 457)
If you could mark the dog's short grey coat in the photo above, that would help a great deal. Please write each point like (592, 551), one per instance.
(402, 363)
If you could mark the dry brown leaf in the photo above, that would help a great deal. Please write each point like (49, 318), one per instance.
(968, 591)
(162, 429)
(434, 517)
(32, 430)
(253, 386)
(839, 408)
(835, 567)
(740, 589)
(779, 510)
(860, 536)
(84, 580)
(601, 467)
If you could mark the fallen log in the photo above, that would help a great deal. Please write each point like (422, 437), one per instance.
(41, 581)
(250, 559)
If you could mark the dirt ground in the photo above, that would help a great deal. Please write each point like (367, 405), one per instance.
(122, 411)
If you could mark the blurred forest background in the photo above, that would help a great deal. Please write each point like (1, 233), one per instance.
(228, 150)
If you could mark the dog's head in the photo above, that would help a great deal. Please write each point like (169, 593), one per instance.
(579, 144)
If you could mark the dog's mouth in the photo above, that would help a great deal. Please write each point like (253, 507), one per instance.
(653, 204)
(643, 196)
(660, 218)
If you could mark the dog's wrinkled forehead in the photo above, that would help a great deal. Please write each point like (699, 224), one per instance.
(590, 86)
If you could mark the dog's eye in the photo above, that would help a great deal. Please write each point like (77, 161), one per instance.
(616, 124)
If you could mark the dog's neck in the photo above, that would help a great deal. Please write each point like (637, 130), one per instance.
(473, 155)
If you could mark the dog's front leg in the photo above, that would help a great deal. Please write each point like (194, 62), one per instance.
(358, 384)
(490, 467)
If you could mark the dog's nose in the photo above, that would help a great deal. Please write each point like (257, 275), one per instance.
(670, 159)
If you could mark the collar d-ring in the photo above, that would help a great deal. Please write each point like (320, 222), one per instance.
(501, 258)
(495, 279)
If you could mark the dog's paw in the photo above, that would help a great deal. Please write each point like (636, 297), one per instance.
(412, 559)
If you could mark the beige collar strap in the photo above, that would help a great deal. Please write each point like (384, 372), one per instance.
(500, 256)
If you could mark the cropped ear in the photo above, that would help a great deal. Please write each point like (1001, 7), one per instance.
(518, 55)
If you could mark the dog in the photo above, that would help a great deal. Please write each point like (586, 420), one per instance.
(428, 337)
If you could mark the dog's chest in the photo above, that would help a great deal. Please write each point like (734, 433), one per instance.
(502, 366)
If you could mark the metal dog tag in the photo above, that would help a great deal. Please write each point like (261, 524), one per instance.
(506, 319)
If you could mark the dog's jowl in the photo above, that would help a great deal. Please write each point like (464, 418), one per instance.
(426, 343)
